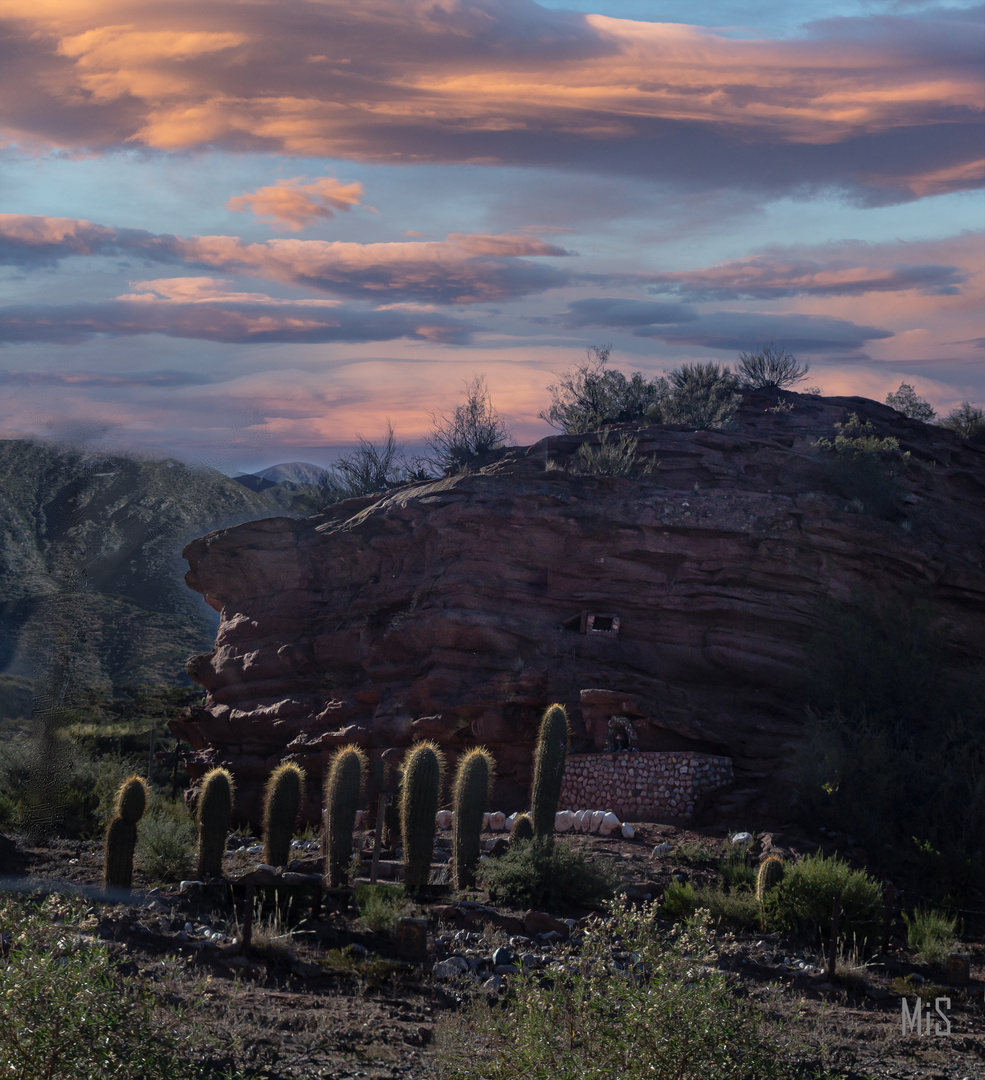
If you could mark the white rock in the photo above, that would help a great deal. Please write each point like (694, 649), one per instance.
(357, 821)
(443, 819)
(453, 967)
(510, 820)
(628, 831)
(610, 822)
(661, 849)
(485, 822)
(576, 816)
(742, 838)
(497, 821)
(597, 818)
(586, 821)
(564, 821)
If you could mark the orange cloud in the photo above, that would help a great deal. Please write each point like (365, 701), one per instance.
(297, 205)
(413, 80)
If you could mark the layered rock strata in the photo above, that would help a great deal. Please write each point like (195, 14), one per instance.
(682, 599)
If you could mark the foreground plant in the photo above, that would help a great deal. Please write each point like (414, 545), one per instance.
(121, 835)
(633, 1002)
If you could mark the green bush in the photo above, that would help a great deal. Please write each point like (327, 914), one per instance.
(802, 903)
(736, 909)
(701, 396)
(930, 934)
(635, 1004)
(612, 457)
(166, 841)
(905, 401)
(967, 420)
(864, 468)
(679, 902)
(770, 369)
(67, 1014)
(538, 874)
(591, 395)
(380, 905)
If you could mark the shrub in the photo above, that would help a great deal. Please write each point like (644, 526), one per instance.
(660, 1014)
(701, 396)
(67, 1013)
(864, 468)
(591, 395)
(967, 420)
(735, 910)
(930, 934)
(533, 873)
(735, 869)
(379, 905)
(770, 369)
(612, 457)
(679, 902)
(470, 434)
(166, 840)
(905, 401)
(803, 901)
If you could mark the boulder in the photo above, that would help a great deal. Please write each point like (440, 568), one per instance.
(564, 821)
(539, 922)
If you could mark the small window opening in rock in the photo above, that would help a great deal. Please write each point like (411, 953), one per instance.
(602, 624)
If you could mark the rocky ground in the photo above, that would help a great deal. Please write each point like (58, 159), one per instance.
(327, 997)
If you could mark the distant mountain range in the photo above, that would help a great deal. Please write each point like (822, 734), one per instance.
(91, 575)
(293, 474)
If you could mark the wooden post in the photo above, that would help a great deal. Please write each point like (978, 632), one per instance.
(888, 902)
(833, 944)
(378, 835)
(247, 935)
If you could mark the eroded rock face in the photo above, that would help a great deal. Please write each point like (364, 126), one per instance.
(458, 609)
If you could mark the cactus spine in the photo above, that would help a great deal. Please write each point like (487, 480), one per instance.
(215, 808)
(281, 803)
(769, 876)
(473, 783)
(523, 829)
(343, 786)
(121, 834)
(420, 787)
(549, 760)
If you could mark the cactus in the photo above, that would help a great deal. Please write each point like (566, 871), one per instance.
(420, 787)
(549, 760)
(770, 875)
(471, 790)
(215, 808)
(523, 829)
(121, 835)
(343, 786)
(281, 803)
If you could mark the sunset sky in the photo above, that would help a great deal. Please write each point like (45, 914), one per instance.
(243, 231)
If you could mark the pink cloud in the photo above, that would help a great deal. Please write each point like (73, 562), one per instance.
(297, 205)
(888, 106)
(462, 269)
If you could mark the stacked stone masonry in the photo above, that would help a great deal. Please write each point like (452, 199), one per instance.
(642, 786)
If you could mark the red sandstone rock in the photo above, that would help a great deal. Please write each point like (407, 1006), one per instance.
(539, 922)
(455, 609)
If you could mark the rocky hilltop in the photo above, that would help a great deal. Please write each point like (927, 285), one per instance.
(682, 599)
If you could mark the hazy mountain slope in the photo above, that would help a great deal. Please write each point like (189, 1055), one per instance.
(91, 578)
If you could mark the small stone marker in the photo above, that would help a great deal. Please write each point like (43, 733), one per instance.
(412, 939)
(958, 969)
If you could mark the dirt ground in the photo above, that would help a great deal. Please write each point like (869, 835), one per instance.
(300, 1004)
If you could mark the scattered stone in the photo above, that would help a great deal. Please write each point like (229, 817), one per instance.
(539, 922)
(628, 831)
(502, 957)
(609, 823)
(452, 968)
(742, 838)
(662, 849)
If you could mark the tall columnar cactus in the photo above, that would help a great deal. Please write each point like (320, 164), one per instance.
(523, 829)
(121, 835)
(549, 760)
(420, 788)
(343, 786)
(471, 790)
(769, 876)
(215, 808)
(281, 803)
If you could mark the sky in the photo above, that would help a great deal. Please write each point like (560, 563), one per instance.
(245, 232)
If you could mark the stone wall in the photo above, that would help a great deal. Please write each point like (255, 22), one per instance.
(644, 786)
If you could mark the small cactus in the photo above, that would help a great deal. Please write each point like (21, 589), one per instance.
(215, 808)
(420, 789)
(523, 829)
(121, 834)
(769, 876)
(473, 783)
(549, 761)
(343, 786)
(281, 803)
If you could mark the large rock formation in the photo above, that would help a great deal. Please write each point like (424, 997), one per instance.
(458, 609)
